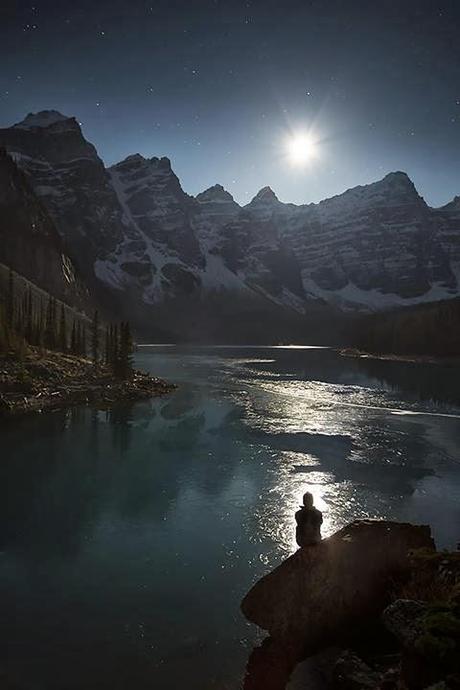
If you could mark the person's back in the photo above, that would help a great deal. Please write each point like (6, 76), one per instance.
(309, 520)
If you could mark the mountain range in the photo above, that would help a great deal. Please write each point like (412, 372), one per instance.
(204, 267)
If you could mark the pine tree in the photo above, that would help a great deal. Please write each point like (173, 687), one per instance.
(107, 347)
(40, 326)
(4, 339)
(18, 321)
(83, 340)
(114, 350)
(29, 317)
(78, 334)
(129, 347)
(10, 301)
(95, 337)
(62, 331)
(125, 358)
(73, 339)
(49, 339)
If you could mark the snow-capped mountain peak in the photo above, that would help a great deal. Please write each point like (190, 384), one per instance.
(216, 193)
(134, 229)
(266, 195)
(264, 204)
(399, 182)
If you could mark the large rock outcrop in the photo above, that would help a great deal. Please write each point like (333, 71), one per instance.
(320, 595)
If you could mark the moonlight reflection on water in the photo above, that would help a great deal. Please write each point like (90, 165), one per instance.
(145, 525)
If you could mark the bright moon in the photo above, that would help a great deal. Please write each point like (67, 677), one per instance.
(301, 149)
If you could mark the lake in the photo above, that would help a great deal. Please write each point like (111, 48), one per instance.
(129, 537)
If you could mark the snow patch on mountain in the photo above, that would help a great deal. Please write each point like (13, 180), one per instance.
(216, 276)
(352, 298)
(133, 226)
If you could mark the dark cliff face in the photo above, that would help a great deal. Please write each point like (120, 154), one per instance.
(143, 244)
(29, 241)
(70, 179)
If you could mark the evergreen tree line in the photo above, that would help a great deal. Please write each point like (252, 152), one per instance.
(429, 329)
(118, 349)
(44, 323)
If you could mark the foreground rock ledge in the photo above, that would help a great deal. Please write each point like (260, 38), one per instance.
(321, 594)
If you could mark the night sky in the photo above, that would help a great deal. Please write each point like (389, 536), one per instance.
(220, 87)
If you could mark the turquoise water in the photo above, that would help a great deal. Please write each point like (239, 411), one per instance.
(129, 537)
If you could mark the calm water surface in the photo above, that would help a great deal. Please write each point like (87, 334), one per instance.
(129, 537)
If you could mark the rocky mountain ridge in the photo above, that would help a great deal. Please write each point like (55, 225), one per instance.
(145, 245)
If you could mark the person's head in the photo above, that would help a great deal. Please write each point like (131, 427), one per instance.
(308, 500)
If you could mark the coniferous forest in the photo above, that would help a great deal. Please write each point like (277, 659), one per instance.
(425, 330)
(45, 323)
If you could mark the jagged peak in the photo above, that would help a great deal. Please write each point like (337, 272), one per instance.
(216, 192)
(134, 158)
(215, 188)
(395, 184)
(138, 160)
(265, 195)
(42, 119)
(398, 177)
(453, 205)
(163, 163)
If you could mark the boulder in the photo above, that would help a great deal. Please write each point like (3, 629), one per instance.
(352, 673)
(403, 619)
(429, 635)
(323, 593)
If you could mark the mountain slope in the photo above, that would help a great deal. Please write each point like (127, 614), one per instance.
(29, 241)
(150, 250)
(375, 246)
(70, 179)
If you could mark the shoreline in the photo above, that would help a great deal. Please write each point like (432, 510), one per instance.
(45, 380)
(389, 357)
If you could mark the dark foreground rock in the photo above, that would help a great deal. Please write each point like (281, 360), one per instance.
(328, 594)
(43, 380)
(352, 673)
(429, 637)
(317, 595)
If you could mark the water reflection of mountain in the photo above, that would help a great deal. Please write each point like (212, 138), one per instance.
(62, 471)
(115, 519)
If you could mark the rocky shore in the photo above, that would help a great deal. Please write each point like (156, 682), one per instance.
(42, 380)
(378, 594)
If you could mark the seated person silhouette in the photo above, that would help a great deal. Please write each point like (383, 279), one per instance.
(309, 520)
